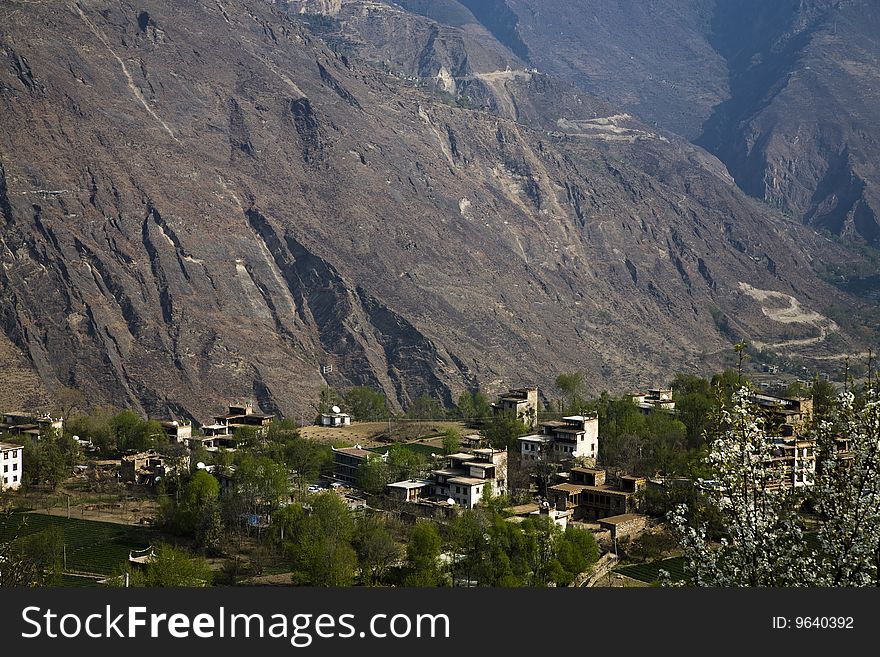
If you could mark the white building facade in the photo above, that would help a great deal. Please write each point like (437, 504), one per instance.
(10, 466)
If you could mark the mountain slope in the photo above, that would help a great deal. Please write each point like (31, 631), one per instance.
(203, 202)
(784, 93)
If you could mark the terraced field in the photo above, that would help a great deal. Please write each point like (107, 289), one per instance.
(92, 547)
(650, 572)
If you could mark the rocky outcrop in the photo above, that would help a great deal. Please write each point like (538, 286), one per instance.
(178, 234)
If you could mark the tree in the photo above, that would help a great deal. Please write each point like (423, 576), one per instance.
(171, 567)
(366, 404)
(28, 559)
(504, 429)
(49, 460)
(306, 459)
(424, 407)
(198, 512)
(375, 547)
(422, 555)
(261, 482)
(322, 552)
(451, 441)
(373, 474)
(576, 550)
(847, 492)
(468, 546)
(465, 406)
(571, 385)
(328, 399)
(764, 542)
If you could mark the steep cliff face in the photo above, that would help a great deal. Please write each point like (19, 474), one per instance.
(203, 202)
(800, 127)
(784, 93)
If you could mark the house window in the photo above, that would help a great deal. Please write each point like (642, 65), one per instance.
(14, 478)
(14, 467)
(5, 468)
(5, 455)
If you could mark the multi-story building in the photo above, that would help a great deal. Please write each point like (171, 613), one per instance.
(576, 436)
(178, 431)
(10, 466)
(464, 479)
(656, 399)
(588, 497)
(242, 415)
(522, 403)
(23, 424)
(347, 460)
(793, 455)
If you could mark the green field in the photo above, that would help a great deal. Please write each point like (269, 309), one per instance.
(92, 547)
(650, 572)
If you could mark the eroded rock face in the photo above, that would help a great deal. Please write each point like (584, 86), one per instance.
(784, 93)
(222, 211)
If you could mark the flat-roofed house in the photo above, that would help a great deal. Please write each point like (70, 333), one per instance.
(11, 465)
(589, 498)
(522, 403)
(347, 460)
(465, 478)
(575, 436)
(178, 431)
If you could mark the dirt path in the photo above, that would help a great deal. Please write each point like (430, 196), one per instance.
(790, 312)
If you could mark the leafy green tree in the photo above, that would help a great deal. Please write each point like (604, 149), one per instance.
(451, 441)
(366, 404)
(29, 560)
(376, 550)
(576, 550)
(307, 459)
(425, 407)
(322, 551)
(824, 397)
(49, 460)
(260, 482)
(374, 474)
(171, 568)
(468, 546)
(503, 431)
(465, 406)
(571, 385)
(327, 399)
(405, 463)
(95, 427)
(422, 556)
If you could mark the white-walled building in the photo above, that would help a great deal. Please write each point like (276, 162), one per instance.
(522, 403)
(335, 419)
(464, 479)
(10, 466)
(572, 437)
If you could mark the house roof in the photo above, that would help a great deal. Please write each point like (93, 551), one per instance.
(461, 456)
(536, 438)
(411, 484)
(7, 446)
(356, 452)
(467, 481)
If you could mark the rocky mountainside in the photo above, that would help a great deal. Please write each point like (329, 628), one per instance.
(227, 199)
(784, 93)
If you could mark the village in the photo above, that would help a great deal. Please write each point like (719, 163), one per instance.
(527, 463)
